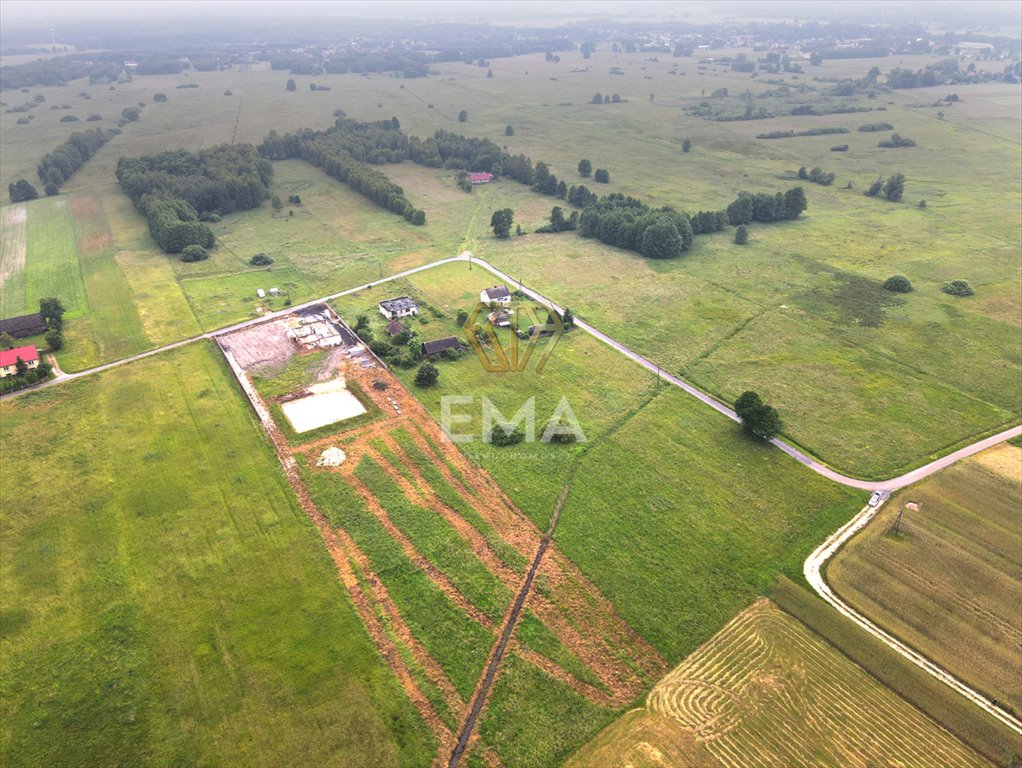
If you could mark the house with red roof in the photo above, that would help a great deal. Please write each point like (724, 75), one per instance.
(9, 359)
(480, 178)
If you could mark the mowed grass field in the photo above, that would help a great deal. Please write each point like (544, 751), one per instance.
(766, 691)
(949, 582)
(163, 600)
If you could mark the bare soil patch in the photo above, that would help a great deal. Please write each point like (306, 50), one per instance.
(263, 348)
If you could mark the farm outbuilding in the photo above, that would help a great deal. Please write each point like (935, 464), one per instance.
(438, 346)
(23, 326)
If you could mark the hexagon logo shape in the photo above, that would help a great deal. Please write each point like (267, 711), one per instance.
(514, 354)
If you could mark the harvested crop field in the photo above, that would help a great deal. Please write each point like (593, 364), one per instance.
(956, 558)
(766, 691)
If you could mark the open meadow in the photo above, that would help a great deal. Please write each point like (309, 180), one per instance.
(162, 597)
(862, 378)
(948, 580)
(766, 691)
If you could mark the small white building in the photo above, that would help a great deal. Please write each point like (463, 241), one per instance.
(275, 291)
(260, 293)
(400, 307)
(498, 293)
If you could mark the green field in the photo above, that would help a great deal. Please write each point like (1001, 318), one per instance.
(51, 258)
(163, 597)
(861, 382)
(957, 558)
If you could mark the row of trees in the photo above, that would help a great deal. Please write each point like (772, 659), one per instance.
(626, 222)
(177, 191)
(57, 166)
(765, 207)
(334, 151)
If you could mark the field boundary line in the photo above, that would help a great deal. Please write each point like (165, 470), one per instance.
(814, 573)
(489, 675)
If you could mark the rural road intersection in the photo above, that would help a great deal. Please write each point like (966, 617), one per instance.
(814, 565)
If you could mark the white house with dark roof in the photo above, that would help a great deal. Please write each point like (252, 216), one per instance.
(402, 306)
(498, 293)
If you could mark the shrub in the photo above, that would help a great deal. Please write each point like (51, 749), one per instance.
(381, 347)
(601, 176)
(898, 284)
(159, 98)
(51, 189)
(94, 117)
(741, 235)
(54, 340)
(871, 127)
(957, 288)
(896, 140)
(130, 114)
(560, 431)
(503, 435)
(194, 253)
(260, 260)
(839, 148)
(427, 375)
(69, 119)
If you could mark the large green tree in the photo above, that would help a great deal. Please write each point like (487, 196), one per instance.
(51, 309)
(584, 168)
(662, 241)
(757, 417)
(501, 222)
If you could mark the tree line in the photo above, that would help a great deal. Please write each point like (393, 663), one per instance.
(58, 166)
(177, 191)
(628, 223)
(333, 151)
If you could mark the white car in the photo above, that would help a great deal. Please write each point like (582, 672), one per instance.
(874, 500)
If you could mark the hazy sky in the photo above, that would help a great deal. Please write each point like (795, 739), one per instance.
(43, 11)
